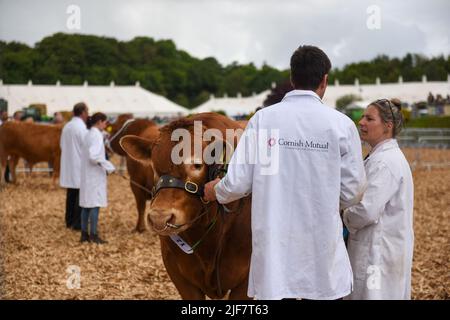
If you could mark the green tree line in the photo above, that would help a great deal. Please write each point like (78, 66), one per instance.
(162, 68)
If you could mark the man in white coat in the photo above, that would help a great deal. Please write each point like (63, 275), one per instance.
(298, 249)
(71, 142)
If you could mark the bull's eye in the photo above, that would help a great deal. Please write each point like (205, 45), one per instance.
(198, 166)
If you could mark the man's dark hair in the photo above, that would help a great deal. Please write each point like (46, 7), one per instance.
(308, 66)
(79, 108)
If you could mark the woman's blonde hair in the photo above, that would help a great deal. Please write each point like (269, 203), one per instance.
(390, 111)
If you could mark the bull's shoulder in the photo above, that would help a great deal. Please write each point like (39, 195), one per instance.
(215, 120)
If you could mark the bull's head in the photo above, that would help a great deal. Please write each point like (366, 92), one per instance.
(177, 198)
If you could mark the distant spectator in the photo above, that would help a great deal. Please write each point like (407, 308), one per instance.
(18, 115)
(93, 181)
(277, 94)
(71, 142)
(430, 98)
(3, 116)
(58, 118)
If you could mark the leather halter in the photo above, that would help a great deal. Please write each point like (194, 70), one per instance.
(168, 181)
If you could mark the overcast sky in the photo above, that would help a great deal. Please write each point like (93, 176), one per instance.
(247, 30)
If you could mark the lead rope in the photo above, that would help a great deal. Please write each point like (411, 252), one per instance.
(137, 185)
(211, 225)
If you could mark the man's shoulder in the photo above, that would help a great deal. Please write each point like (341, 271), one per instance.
(74, 127)
(339, 118)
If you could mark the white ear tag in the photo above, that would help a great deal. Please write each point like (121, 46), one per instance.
(181, 243)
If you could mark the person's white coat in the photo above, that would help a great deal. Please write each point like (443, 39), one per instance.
(297, 244)
(381, 236)
(94, 169)
(71, 142)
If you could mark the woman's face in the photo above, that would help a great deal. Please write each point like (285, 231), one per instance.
(372, 128)
(102, 124)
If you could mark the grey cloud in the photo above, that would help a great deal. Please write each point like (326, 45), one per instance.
(246, 31)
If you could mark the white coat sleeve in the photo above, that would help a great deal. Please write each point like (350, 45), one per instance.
(382, 185)
(97, 155)
(353, 176)
(237, 183)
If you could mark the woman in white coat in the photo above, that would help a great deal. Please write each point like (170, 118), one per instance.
(381, 238)
(93, 186)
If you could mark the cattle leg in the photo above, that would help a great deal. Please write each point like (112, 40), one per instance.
(56, 168)
(30, 168)
(240, 292)
(140, 198)
(12, 168)
(2, 171)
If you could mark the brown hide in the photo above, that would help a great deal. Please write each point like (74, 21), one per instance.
(243, 123)
(138, 172)
(32, 142)
(220, 264)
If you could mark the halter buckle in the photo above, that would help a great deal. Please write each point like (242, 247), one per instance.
(191, 187)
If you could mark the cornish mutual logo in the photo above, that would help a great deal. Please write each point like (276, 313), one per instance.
(307, 144)
(271, 142)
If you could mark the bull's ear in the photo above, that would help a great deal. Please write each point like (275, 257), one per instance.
(221, 150)
(137, 148)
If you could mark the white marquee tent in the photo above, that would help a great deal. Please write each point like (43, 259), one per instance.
(111, 100)
(408, 92)
(233, 106)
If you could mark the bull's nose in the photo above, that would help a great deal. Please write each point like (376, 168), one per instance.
(159, 220)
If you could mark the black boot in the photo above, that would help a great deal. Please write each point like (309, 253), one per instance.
(96, 239)
(84, 237)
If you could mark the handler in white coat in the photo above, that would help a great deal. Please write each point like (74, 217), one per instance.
(71, 142)
(94, 168)
(381, 237)
(316, 165)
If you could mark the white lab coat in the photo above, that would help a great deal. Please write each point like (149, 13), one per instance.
(71, 141)
(381, 236)
(297, 245)
(94, 166)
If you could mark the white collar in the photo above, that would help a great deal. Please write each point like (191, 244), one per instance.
(98, 130)
(384, 145)
(296, 92)
(75, 118)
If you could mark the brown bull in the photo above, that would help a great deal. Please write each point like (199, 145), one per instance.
(221, 241)
(141, 175)
(32, 142)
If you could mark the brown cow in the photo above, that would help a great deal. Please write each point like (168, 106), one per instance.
(222, 241)
(32, 142)
(140, 174)
(242, 123)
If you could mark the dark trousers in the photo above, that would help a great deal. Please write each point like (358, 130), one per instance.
(73, 209)
(7, 173)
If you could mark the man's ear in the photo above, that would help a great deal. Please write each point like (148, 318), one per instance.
(137, 148)
(325, 81)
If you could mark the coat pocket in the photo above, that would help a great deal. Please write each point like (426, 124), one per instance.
(358, 253)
